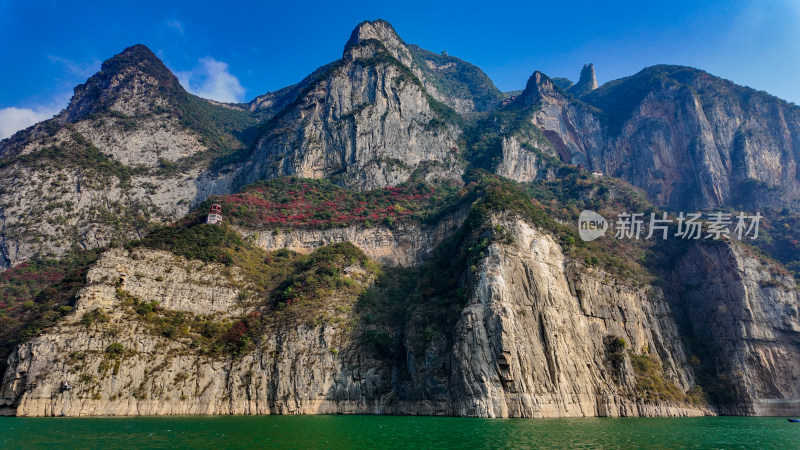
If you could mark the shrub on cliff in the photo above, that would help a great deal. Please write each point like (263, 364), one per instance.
(210, 243)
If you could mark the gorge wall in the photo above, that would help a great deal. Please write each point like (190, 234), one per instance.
(746, 315)
(532, 340)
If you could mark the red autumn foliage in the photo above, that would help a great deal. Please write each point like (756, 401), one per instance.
(294, 202)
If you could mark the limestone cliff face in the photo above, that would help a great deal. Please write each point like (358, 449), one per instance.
(538, 334)
(452, 81)
(748, 320)
(367, 123)
(520, 163)
(531, 341)
(406, 245)
(372, 118)
(687, 138)
(48, 204)
(572, 129)
(158, 276)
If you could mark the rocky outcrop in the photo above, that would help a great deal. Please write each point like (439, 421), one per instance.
(586, 83)
(132, 83)
(572, 129)
(744, 316)
(524, 163)
(407, 245)
(452, 81)
(157, 276)
(532, 341)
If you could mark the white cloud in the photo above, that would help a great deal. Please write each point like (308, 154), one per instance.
(212, 79)
(175, 25)
(13, 119)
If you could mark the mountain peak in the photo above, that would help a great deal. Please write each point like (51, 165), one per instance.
(539, 85)
(382, 31)
(379, 29)
(139, 51)
(140, 59)
(587, 82)
(124, 82)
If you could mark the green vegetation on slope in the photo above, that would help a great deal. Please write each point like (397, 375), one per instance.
(562, 82)
(483, 137)
(416, 307)
(224, 130)
(34, 295)
(455, 78)
(410, 299)
(634, 260)
(778, 240)
(619, 99)
(206, 243)
(284, 288)
(652, 385)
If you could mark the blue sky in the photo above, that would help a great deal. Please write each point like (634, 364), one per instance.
(233, 51)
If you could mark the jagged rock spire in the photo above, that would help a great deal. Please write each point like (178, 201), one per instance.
(587, 82)
(588, 77)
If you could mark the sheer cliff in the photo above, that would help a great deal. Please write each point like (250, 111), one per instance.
(366, 122)
(744, 319)
(687, 138)
(537, 335)
(497, 316)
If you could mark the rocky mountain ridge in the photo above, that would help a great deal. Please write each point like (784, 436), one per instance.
(687, 138)
(151, 151)
(132, 149)
(416, 279)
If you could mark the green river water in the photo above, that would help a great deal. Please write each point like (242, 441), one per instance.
(397, 432)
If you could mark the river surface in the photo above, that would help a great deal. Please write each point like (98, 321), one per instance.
(397, 432)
